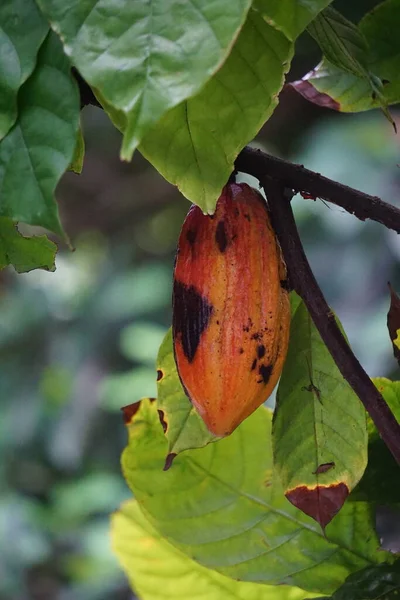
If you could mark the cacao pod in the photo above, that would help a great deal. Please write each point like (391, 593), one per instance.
(231, 310)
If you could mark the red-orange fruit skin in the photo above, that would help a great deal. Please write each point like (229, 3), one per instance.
(231, 310)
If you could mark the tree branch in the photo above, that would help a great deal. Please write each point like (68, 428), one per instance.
(303, 280)
(363, 206)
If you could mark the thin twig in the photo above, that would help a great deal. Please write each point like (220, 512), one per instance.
(305, 284)
(296, 177)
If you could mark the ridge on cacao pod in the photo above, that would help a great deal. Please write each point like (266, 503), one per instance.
(231, 310)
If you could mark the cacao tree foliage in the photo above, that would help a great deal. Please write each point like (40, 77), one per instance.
(284, 507)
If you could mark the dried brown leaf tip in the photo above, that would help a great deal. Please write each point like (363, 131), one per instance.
(310, 93)
(393, 322)
(321, 502)
(129, 411)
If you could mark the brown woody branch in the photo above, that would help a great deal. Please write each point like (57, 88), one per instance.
(303, 280)
(297, 178)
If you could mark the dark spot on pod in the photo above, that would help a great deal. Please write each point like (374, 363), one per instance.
(162, 420)
(236, 212)
(220, 236)
(159, 374)
(265, 372)
(191, 236)
(260, 351)
(191, 315)
(217, 322)
(168, 461)
(257, 335)
(247, 216)
(253, 364)
(285, 284)
(241, 350)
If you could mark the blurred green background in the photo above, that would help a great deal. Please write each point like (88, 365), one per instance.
(78, 344)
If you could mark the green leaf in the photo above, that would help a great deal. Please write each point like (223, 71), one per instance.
(146, 57)
(344, 46)
(372, 583)
(290, 16)
(40, 146)
(79, 153)
(184, 428)
(19, 44)
(393, 322)
(23, 253)
(381, 480)
(341, 42)
(157, 570)
(221, 506)
(330, 86)
(194, 146)
(319, 426)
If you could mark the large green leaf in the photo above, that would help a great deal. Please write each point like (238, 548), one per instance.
(157, 570)
(24, 253)
(22, 31)
(372, 583)
(40, 146)
(194, 146)
(319, 426)
(341, 42)
(146, 57)
(381, 480)
(220, 505)
(183, 426)
(329, 85)
(290, 16)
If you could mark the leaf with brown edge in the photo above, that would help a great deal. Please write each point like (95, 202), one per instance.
(321, 502)
(319, 425)
(181, 423)
(130, 410)
(393, 322)
(371, 84)
(223, 507)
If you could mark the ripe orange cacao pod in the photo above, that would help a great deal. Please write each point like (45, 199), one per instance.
(231, 310)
